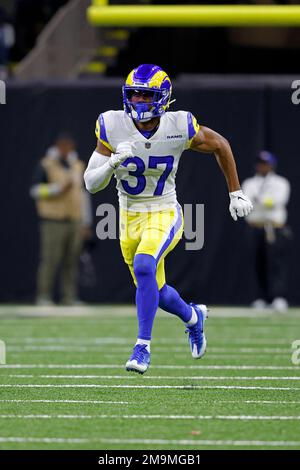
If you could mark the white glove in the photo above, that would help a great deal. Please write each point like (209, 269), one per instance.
(124, 150)
(240, 204)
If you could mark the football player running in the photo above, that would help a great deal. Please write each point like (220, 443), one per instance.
(141, 146)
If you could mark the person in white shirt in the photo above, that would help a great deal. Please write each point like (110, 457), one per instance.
(269, 193)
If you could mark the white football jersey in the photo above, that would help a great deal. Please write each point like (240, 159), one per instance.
(146, 182)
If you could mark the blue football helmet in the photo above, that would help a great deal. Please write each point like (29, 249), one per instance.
(151, 80)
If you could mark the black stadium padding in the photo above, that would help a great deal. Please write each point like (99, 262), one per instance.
(250, 115)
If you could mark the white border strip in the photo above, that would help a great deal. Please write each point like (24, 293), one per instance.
(152, 377)
(174, 387)
(96, 402)
(203, 442)
(156, 366)
(45, 440)
(75, 340)
(229, 443)
(161, 417)
(113, 349)
(93, 402)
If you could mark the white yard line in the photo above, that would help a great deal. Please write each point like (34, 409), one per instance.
(102, 402)
(191, 442)
(203, 442)
(116, 350)
(215, 357)
(156, 366)
(117, 357)
(263, 402)
(183, 387)
(71, 341)
(46, 440)
(75, 340)
(151, 377)
(94, 402)
(160, 417)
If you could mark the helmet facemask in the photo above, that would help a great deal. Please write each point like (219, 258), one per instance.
(143, 111)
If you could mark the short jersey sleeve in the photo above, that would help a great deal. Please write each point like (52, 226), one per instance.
(100, 132)
(193, 127)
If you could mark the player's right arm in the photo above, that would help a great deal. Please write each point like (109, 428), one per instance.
(102, 165)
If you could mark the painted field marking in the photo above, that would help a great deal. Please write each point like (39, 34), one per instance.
(99, 402)
(121, 340)
(117, 350)
(61, 440)
(94, 402)
(264, 402)
(203, 442)
(151, 377)
(103, 402)
(45, 440)
(156, 366)
(174, 387)
(161, 417)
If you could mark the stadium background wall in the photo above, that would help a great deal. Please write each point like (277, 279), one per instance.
(252, 115)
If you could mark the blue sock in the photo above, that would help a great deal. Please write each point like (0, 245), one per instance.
(170, 301)
(146, 294)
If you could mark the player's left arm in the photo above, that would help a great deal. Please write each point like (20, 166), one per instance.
(208, 141)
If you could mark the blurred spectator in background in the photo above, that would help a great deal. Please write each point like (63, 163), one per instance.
(65, 219)
(270, 236)
(7, 39)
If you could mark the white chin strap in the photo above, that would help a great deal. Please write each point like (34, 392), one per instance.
(147, 116)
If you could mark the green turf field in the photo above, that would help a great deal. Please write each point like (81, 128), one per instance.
(64, 385)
